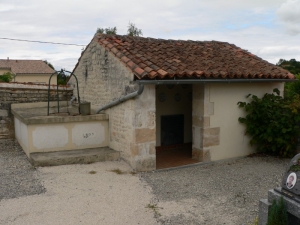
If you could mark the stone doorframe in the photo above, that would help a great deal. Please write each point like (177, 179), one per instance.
(204, 136)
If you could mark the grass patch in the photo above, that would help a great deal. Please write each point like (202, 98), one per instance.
(92, 172)
(117, 171)
(255, 222)
(155, 209)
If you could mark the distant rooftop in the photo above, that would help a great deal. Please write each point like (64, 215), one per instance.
(26, 66)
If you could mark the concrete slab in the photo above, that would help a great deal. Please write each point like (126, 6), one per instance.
(83, 156)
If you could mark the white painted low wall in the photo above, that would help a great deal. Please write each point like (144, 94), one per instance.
(61, 136)
(59, 133)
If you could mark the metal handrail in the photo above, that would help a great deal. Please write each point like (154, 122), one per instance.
(57, 73)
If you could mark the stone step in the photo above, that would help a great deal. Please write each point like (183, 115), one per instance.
(82, 156)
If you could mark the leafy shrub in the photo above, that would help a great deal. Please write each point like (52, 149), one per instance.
(272, 122)
(278, 214)
(292, 88)
(6, 77)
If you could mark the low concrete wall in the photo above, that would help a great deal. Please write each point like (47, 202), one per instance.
(56, 133)
(20, 93)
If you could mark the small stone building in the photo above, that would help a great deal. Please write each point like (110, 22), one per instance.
(28, 71)
(161, 94)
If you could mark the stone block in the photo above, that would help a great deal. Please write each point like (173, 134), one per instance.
(208, 108)
(198, 91)
(3, 112)
(264, 207)
(152, 148)
(145, 135)
(197, 137)
(202, 155)
(151, 119)
(206, 121)
(292, 206)
(137, 149)
(211, 136)
(134, 150)
(196, 153)
(198, 108)
(200, 121)
(143, 149)
(145, 164)
(138, 119)
(197, 121)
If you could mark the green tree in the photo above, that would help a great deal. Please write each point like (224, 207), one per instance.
(291, 65)
(109, 30)
(49, 64)
(133, 30)
(61, 77)
(6, 77)
(292, 88)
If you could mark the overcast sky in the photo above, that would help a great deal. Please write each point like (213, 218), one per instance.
(267, 28)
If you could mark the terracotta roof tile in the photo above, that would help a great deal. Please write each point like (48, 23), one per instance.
(152, 74)
(114, 50)
(162, 73)
(139, 71)
(149, 58)
(148, 69)
(125, 59)
(131, 65)
(142, 65)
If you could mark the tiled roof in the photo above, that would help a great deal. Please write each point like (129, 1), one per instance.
(150, 58)
(26, 66)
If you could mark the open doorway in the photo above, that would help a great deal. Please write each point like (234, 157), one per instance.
(173, 126)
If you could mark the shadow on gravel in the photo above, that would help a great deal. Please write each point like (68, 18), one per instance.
(17, 177)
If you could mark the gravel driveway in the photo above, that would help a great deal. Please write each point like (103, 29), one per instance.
(226, 192)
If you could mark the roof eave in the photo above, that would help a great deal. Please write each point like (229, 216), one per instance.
(193, 81)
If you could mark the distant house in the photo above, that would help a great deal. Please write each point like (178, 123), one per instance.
(28, 71)
(187, 94)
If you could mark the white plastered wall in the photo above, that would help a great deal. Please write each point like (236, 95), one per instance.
(61, 136)
(2, 71)
(233, 141)
(36, 78)
(21, 133)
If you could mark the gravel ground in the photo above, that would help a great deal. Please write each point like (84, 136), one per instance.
(17, 177)
(225, 192)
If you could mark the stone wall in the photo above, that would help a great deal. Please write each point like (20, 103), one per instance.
(22, 93)
(144, 142)
(101, 79)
